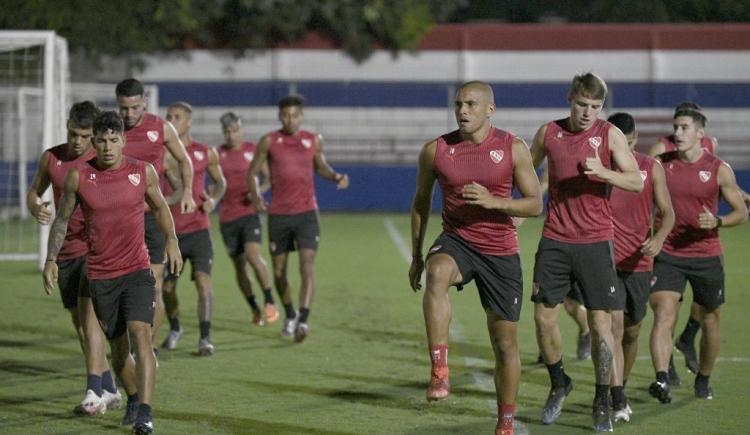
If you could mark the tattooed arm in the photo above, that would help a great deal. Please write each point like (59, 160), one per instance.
(59, 229)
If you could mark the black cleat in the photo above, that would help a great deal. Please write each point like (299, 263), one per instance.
(131, 414)
(602, 415)
(703, 391)
(688, 350)
(672, 377)
(660, 390)
(143, 427)
(553, 407)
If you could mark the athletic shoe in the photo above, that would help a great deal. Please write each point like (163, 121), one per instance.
(703, 391)
(143, 427)
(113, 400)
(583, 348)
(131, 414)
(553, 407)
(502, 427)
(205, 348)
(171, 341)
(290, 325)
(271, 313)
(302, 331)
(688, 350)
(672, 377)
(258, 318)
(660, 390)
(91, 404)
(602, 417)
(623, 414)
(440, 385)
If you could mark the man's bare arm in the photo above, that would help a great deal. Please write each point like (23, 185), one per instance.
(59, 229)
(652, 245)
(156, 202)
(177, 150)
(39, 209)
(219, 182)
(254, 193)
(323, 169)
(420, 211)
(628, 177)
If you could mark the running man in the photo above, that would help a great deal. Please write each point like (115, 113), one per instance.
(239, 220)
(194, 231)
(147, 136)
(477, 167)
(635, 247)
(111, 190)
(101, 392)
(294, 156)
(578, 234)
(692, 252)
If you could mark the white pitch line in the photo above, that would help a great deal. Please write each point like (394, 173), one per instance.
(482, 381)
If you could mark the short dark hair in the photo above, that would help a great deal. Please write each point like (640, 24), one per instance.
(623, 121)
(688, 105)
(129, 88)
(291, 101)
(230, 118)
(697, 116)
(182, 105)
(588, 85)
(82, 114)
(108, 121)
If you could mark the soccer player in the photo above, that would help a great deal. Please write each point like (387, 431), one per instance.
(147, 136)
(293, 156)
(635, 247)
(692, 252)
(578, 234)
(111, 190)
(477, 167)
(101, 392)
(239, 221)
(194, 231)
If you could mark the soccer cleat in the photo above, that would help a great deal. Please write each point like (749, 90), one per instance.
(171, 341)
(205, 348)
(553, 407)
(602, 417)
(660, 390)
(583, 346)
(290, 325)
(131, 414)
(113, 400)
(91, 404)
(301, 332)
(258, 318)
(703, 391)
(623, 414)
(271, 313)
(504, 425)
(688, 350)
(143, 427)
(440, 385)
(672, 377)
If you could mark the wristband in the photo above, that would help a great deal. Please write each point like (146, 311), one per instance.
(719, 222)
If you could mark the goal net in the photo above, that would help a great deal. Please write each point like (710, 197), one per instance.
(34, 80)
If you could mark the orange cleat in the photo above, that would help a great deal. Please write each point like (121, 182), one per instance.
(439, 384)
(271, 312)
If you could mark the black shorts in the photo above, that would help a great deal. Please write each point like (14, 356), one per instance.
(156, 242)
(71, 278)
(131, 297)
(236, 233)
(575, 292)
(632, 294)
(295, 231)
(498, 277)
(197, 248)
(705, 274)
(591, 265)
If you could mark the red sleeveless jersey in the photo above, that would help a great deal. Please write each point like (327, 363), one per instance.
(197, 220)
(490, 164)
(58, 164)
(235, 164)
(290, 160)
(578, 209)
(669, 145)
(631, 216)
(691, 187)
(112, 204)
(146, 142)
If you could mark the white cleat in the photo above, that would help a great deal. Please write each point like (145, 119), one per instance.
(290, 325)
(171, 341)
(91, 405)
(113, 400)
(301, 332)
(623, 414)
(205, 348)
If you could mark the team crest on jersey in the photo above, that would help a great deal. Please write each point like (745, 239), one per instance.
(704, 176)
(451, 151)
(199, 155)
(59, 163)
(248, 155)
(307, 143)
(223, 155)
(135, 179)
(595, 142)
(152, 135)
(279, 139)
(559, 135)
(497, 155)
(644, 175)
(92, 176)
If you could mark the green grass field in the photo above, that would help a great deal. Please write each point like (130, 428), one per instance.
(364, 367)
